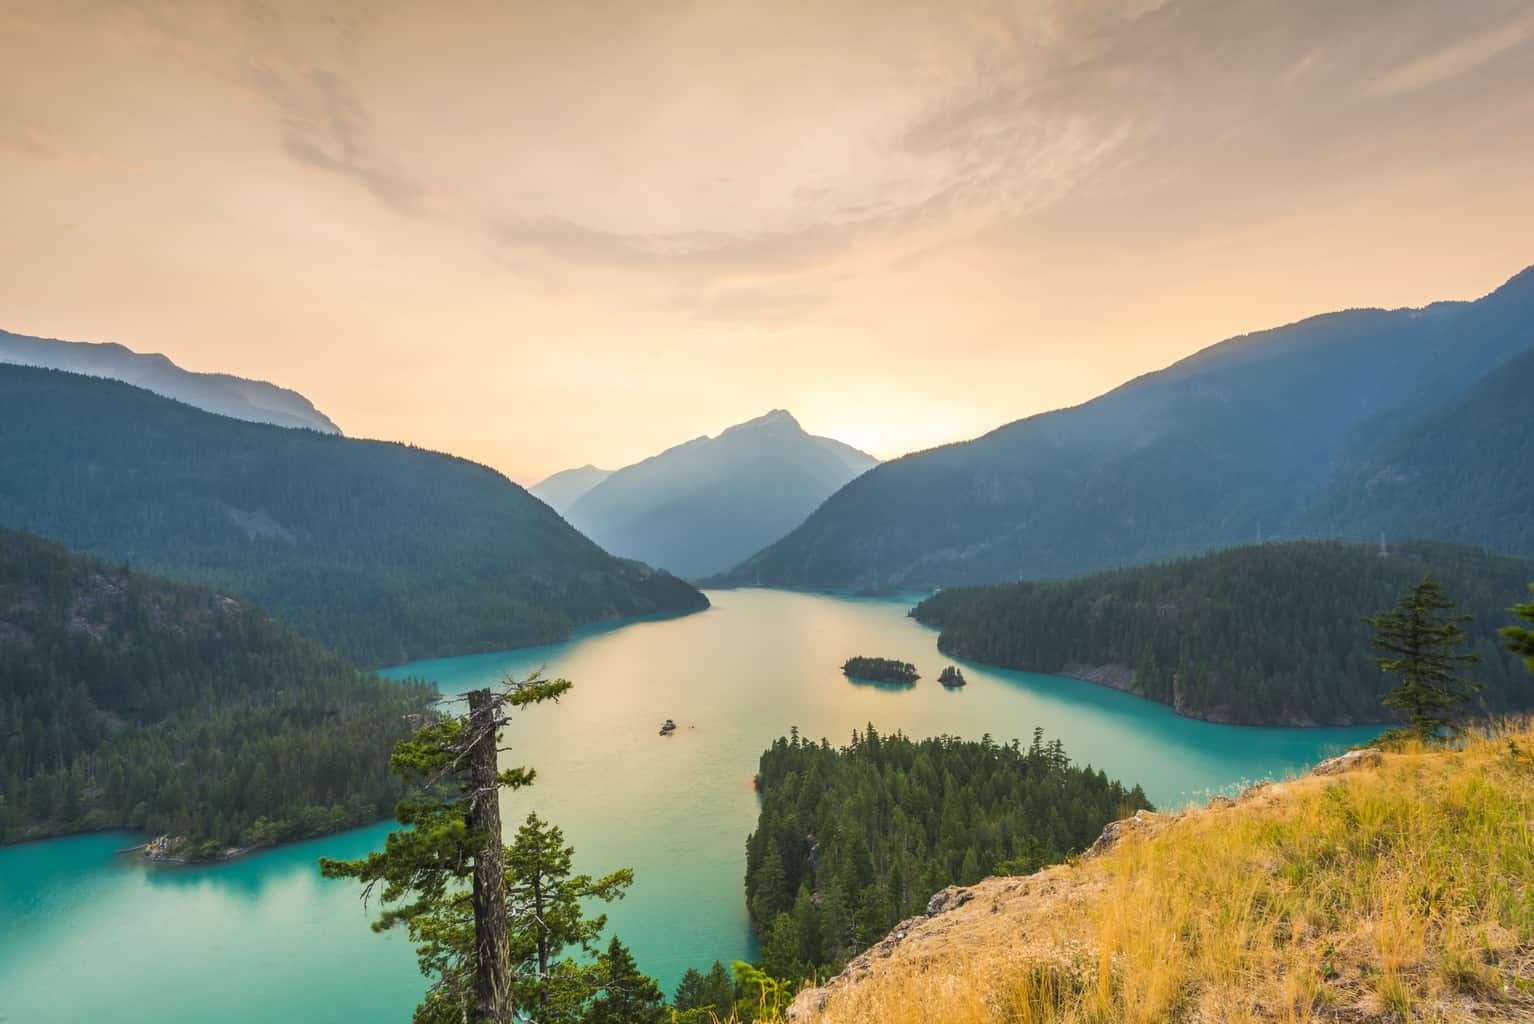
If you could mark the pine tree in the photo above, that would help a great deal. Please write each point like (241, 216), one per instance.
(452, 835)
(1422, 646)
(780, 948)
(771, 896)
(875, 915)
(628, 996)
(711, 993)
(538, 878)
(1520, 640)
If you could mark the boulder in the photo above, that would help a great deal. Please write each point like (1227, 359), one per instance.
(1369, 757)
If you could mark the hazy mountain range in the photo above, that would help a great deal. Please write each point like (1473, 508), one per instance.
(1414, 422)
(703, 506)
(252, 400)
(383, 551)
(568, 486)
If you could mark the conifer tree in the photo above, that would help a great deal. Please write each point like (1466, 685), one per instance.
(538, 878)
(780, 948)
(452, 835)
(628, 996)
(705, 994)
(1421, 644)
(1520, 640)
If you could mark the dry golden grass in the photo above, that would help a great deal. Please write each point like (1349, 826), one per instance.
(1403, 892)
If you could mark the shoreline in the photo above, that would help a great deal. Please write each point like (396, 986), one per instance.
(229, 855)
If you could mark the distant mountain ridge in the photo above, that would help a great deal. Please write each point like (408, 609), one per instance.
(1258, 436)
(702, 506)
(385, 552)
(253, 400)
(568, 486)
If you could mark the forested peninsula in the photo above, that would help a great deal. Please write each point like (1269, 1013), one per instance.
(851, 840)
(132, 702)
(1266, 634)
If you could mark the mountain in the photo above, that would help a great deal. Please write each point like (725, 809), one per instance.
(1228, 445)
(252, 400)
(383, 551)
(705, 505)
(1264, 635)
(1360, 892)
(133, 702)
(568, 486)
(1457, 470)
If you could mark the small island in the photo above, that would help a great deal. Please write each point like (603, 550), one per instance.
(951, 677)
(880, 670)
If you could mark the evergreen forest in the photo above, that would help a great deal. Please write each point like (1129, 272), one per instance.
(1267, 634)
(880, 670)
(133, 702)
(852, 840)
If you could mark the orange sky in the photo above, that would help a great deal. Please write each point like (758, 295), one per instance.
(540, 235)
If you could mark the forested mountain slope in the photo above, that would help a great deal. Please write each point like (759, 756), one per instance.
(382, 551)
(1260, 635)
(128, 701)
(703, 506)
(227, 395)
(1215, 450)
(1460, 470)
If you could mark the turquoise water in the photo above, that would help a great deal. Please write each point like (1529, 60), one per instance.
(88, 936)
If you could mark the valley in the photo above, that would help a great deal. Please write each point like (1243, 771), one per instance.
(676, 809)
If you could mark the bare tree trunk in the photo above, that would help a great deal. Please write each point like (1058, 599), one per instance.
(492, 975)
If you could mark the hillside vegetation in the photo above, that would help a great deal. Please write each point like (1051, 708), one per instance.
(1400, 890)
(1340, 425)
(128, 701)
(384, 552)
(1457, 471)
(852, 839)
(1269, 634)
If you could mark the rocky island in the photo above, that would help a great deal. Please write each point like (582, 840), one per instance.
(951, 677)
(880, 670)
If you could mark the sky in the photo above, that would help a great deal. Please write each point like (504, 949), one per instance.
(545, 234)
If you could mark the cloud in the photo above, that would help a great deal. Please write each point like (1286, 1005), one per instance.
(1451, 61)
(325, 126)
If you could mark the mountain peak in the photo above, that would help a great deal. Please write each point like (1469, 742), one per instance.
(778, 418)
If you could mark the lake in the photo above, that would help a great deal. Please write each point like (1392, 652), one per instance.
(86, 935)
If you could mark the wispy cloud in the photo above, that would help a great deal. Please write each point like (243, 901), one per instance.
(1452, 61)
(327, 127)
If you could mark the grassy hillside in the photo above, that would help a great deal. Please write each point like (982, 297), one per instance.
(382, 551)
(128, 701)
(1398, 891)
(1209, 452)
(1267, 634)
